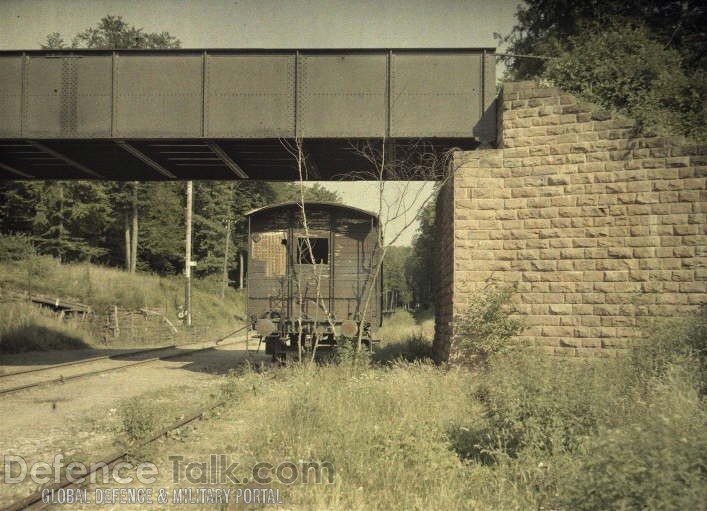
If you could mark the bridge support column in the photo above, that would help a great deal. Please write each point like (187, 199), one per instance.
(597, 227)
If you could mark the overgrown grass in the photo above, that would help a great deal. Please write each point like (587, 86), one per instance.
(403, 337)
(524, 431)
(625, 433)
(381, 429)
(102, 288)
(24, 327)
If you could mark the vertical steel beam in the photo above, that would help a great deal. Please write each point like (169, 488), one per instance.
(388, 89)
(113, 94)
(204, 91)
(297, 94)
(23, 92)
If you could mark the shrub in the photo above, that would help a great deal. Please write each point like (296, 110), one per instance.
(26, 327)
(625, 433)
(655, 461)
(486, 326)
(15, 247)
(621, 68)
(139, 418)
(416, 347)
(539, 403)
(346, 353)
(667, 342)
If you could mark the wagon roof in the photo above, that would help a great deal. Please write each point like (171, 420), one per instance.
(334, 205)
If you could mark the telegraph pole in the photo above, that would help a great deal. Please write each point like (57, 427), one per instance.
(187, 256)
(224, 283)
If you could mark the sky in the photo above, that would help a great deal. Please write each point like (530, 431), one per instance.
(24, 24)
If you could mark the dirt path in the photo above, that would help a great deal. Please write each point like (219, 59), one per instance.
(78, 418)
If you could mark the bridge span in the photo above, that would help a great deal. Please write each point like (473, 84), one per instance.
(229, 113)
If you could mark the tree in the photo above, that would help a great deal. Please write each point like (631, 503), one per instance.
(644, 58)
(622, 68)
(213, 214)
(112, 32)
(290, 192)
(544, 26)
(161, 207)
(67, 219)
(422, 259)
(396, 285)
(420, 161)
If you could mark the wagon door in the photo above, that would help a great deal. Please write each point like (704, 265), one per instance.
(352, 266)
(267, 273)
(311, 273)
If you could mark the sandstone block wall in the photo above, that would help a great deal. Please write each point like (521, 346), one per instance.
(595, 225)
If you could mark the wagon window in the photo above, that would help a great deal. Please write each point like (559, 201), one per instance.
(319, 254)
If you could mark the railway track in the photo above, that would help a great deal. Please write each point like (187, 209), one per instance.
(93, 359)
(34, 501)
(62, 378)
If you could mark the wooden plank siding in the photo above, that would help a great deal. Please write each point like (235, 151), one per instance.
(275, 272)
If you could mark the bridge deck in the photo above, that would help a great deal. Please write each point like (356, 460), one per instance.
(223, 114)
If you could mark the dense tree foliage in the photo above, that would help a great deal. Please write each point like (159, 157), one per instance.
(65, 219)
(397, 287)
(623, 68)
(544, 27)
(422, 265)
(290, 192)
(645, 58)
(85, 220)
(112, 32)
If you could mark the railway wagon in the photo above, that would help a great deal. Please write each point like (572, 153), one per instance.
(310, 286)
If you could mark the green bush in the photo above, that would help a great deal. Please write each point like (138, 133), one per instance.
(621, 68)
(625, 433)
(139, 418)
(539, 403)
(346, 353)
(668, 342)
(656, 460)
(15, 247)
(416, 347)
(486, 326)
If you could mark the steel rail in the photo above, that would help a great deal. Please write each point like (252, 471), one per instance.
(103, 357)
(109, 461)
(63, 379)
(93, 359)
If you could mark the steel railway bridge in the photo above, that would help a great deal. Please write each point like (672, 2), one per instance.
(224, 113)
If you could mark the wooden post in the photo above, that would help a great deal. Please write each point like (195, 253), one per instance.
(240, 269)
(128, 257)
(30, 270)
(224, 283)
(116, 328)
(187, 256)
(133, 249)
